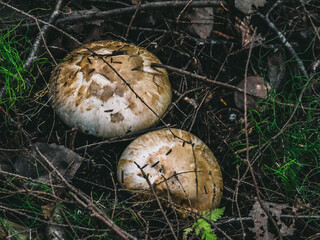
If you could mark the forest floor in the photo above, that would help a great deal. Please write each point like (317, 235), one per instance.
(268, 152)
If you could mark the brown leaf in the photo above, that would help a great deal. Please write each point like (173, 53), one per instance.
(260, 220)
(201, 21)
(245, 29)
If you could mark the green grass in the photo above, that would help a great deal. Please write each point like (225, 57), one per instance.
(292, 158)
(297, 164)
(12, 73)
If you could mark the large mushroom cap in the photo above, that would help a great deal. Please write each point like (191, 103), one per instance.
(88, 94)
(256, 86)
(177, 162)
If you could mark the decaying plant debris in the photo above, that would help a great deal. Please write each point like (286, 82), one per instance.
(56, 182)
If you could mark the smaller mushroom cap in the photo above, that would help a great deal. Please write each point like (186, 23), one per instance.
(87, 93)
(256, 86)
(177, 162)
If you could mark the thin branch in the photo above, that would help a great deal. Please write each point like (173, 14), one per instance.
(247, 142)
(97, 212)
(131, 21)
(45, 44)
(145, 6)
(183, 10)
(97, 15)
(273, 7)
(237, 202)
(232, 220)
(286, 44)
(304, 72)
(42, 33)
(202, 78)
(157, 199)
(37, 42)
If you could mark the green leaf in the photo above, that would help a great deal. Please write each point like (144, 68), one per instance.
(206, 214)
(203, 225)
(216, 214)
(186, 232)
(209, 236)
(197, 230)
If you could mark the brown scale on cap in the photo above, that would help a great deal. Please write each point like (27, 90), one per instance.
(84, 83)
(116, 117)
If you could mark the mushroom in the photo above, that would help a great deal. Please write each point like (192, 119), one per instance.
(87, 93)
(256, 86)
(177, 164)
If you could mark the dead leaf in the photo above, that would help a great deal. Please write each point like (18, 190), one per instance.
(260, 220)
(245, 29)
(53, 230)
(276, 211)
(245, 6)
(276, 69)
(33, 165)
(201, 21)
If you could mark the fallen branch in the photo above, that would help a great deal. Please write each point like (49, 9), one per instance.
(42, 33)
(126, 10)
(145, 6)
(286, 44)
(86, 202)
(202, 78)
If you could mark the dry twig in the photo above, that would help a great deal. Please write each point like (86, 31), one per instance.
(36, 44)
(86, 202)
(202, 78)
(247, 143)
(144, 6)
(286, 44)
(157, 199)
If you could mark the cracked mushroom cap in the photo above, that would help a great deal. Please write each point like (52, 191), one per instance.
(177, 162)
(255, 85)
(88, 94)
